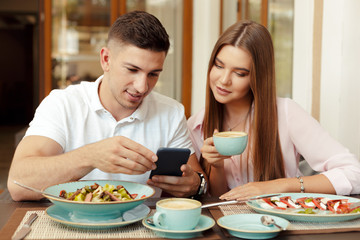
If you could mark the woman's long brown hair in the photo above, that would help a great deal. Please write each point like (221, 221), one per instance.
(265, 142)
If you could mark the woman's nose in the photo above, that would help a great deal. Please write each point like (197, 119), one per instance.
(225, 77)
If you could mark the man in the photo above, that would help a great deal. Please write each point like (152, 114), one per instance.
(111, 128)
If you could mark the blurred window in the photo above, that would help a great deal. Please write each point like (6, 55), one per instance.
(281, 25)
(79, 31)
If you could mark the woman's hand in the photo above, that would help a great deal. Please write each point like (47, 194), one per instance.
(253, 189)
(211, 155)
(313, 184)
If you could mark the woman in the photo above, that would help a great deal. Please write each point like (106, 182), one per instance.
(241, 96)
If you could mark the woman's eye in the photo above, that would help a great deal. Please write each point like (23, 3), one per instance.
(218, 66)
(241, 74)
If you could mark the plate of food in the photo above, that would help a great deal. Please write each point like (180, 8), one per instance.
(100, 199)
(309, 207)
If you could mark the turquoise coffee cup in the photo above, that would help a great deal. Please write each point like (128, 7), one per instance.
(230, 143)
(177, 214)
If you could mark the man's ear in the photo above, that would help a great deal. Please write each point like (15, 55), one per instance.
(105, 59)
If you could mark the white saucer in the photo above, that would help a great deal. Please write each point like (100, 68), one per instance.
(205, 223)
(60, 215)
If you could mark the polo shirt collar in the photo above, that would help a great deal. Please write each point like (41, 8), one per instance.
(140, 113)
(95, 103)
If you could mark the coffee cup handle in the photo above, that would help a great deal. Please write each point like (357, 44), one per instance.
(158, 220)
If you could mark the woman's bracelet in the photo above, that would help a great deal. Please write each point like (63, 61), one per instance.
(302, 188)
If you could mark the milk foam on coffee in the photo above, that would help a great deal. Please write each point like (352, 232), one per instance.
(179, 204)
(231, 134)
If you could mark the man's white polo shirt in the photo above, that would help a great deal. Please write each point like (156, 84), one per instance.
(74, 117)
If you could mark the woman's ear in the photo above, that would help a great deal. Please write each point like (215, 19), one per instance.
(105, 59)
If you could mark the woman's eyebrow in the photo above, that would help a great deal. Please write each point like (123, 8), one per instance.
(218, 60)
(242, 69)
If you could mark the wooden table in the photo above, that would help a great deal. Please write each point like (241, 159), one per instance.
(8, 207)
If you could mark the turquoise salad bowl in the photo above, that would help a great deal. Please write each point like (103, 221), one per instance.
(98, 210)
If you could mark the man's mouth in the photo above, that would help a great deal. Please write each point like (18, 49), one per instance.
(134, 97)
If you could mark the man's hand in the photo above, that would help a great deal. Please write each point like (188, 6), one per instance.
(120, 155)
(184, 186)
(38, 158)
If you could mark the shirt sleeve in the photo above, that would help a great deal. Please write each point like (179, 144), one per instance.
(323, 153)
(194, 124)
(48, 119)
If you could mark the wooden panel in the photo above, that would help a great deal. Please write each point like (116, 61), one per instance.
(187, 56)
(114, 10)
(45, 79)
(239, 10)
(41, 69)
(118, 8)
(122, 7)
(247, 10)
(264, 12)
(316, 71)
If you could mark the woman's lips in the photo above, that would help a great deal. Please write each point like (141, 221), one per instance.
(222, 91)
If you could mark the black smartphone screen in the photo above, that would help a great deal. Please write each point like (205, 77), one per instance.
(170, 160)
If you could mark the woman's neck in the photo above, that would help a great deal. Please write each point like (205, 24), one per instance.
(236, 114)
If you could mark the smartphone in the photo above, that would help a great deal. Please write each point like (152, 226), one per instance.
(170, 160)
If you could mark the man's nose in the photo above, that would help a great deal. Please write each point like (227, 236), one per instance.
(141, 84)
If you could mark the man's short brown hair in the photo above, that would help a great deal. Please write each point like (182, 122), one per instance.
(141, 29)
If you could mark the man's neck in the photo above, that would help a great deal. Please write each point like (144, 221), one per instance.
(116, 110)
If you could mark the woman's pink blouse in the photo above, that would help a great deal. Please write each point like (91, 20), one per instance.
(300, 134)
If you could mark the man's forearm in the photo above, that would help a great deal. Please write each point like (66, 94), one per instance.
(41, 172)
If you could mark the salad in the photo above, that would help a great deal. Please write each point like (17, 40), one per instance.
(310, 205)
(97, 193)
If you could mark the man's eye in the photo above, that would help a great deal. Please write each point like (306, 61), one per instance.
(153, 75)
(132, 70)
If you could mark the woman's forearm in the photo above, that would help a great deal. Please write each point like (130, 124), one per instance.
(217, 180)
